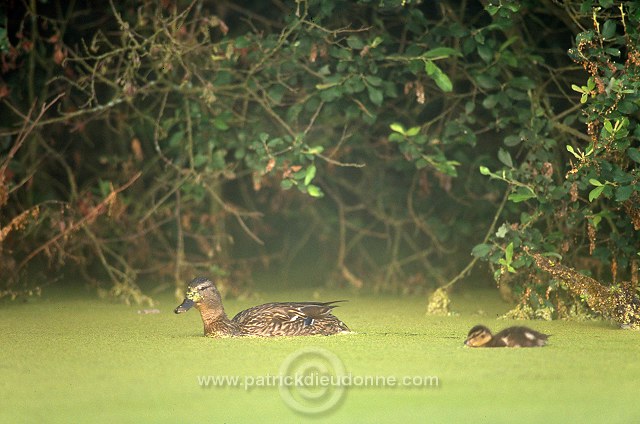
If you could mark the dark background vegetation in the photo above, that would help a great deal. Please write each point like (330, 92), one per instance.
(386, 145)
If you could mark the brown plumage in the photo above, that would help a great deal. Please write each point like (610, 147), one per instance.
(480, 336)
(268, 320)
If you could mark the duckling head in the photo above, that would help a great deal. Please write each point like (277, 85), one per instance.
(478, 336)
(203, 294)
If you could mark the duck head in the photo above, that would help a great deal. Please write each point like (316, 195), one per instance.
(478, 336)
(203, 294)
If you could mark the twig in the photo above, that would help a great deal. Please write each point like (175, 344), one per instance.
(420, 223)
(27, 126)
(233, 211)
(490, 231)
(180, 239)
(313, 118)
(344, 164)
(93, 213)
(348, 275)
(572, 131)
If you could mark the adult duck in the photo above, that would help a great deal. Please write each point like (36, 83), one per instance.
(268, 320)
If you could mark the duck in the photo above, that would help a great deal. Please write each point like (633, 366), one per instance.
(267, 320)
(480, 336)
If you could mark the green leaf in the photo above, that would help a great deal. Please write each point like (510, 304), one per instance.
(376, 42)
(397, 128)
(521, 195)
(276, 93)
(311, 173)
(242, 42)
(572, 151)
(429, 67)
(420, 139)
(286, 184)
(421, 163)
(315, 150)
(490, 101)
(481, 250)
(439, 77)
(340, 53)
(199, 160)
(595, 193)
(577, 88)
(611, 51)
(553, 255)
(324, 71)
(441, 52)
(275, 142)
(492, 9)
(485, 52)
(509, 42)
(623, 193)
(300, 174)
(508, 253)
(413, 131)
(373, 80)
(487, 82)
(398, 138)
(484, 170)
(375, 95)
(505, 157)
(176, 138)
(314, 191)
(523, 83)
(469, 107)
(220, 123)
(512, 140)
(608, 126)
(442, 81)
(326, 85)
(595, 182)
(608, 29)
(506, 265)
(634, 154)
(355, 42)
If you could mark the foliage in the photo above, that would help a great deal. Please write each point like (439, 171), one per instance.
(589, 216)
(193, 138)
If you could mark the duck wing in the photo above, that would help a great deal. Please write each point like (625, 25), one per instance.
(286, 311)
(289, 318)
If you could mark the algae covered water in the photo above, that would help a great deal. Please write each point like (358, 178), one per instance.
(75, 358)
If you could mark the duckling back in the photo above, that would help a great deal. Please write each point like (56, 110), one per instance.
(519, 337)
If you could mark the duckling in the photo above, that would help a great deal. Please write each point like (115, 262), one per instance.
(268, 320)
(480, 336)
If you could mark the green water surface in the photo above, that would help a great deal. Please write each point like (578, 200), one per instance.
(76, 359)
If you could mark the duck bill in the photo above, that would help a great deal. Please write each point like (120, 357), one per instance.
(184, 306)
